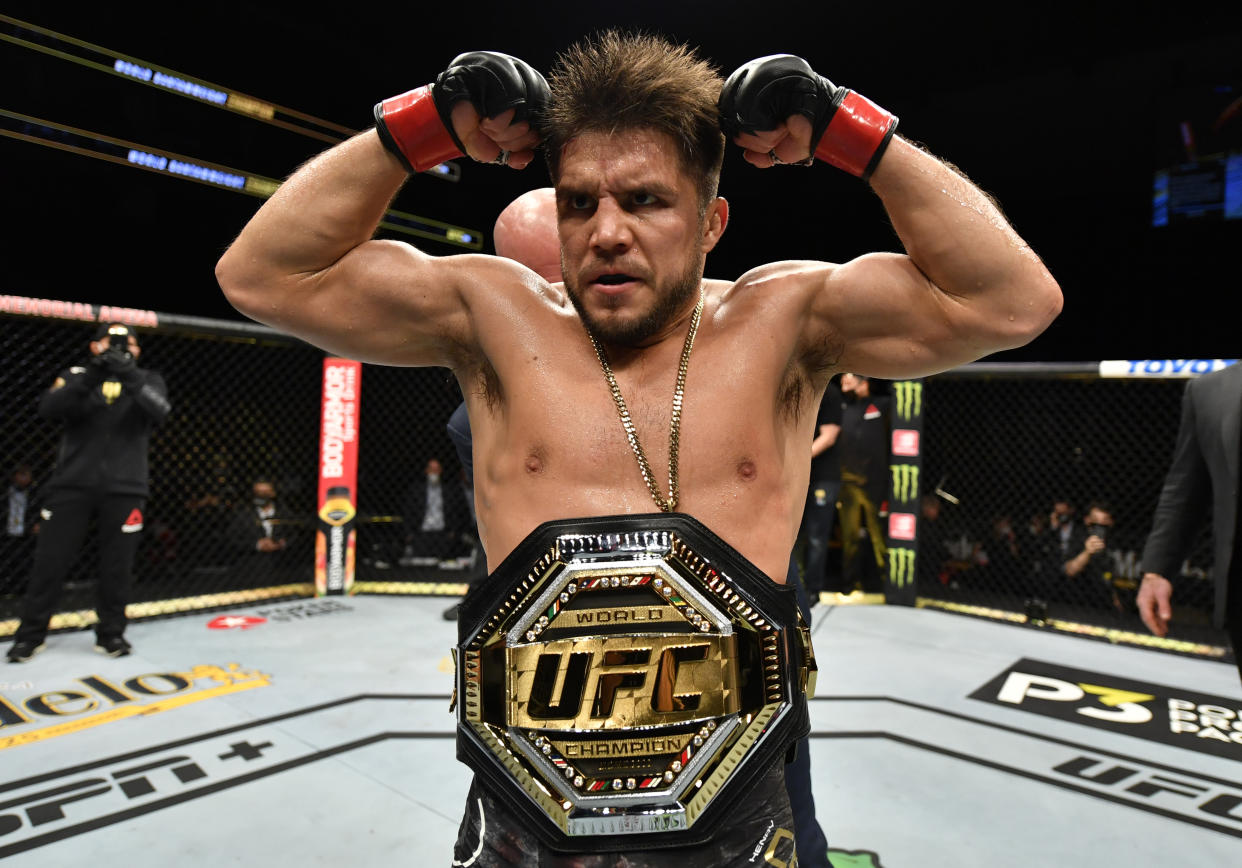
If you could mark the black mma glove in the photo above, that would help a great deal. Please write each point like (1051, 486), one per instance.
(417, 126)
(119, 364)
(847, 129)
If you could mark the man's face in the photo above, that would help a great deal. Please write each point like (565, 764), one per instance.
(264, 490)
(632, 244)
(22, 478)
(1099, 516)
(434, 469)
(855, 385)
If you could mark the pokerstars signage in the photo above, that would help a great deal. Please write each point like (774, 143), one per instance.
(1171, 715)
(235, 622)
(93, 700)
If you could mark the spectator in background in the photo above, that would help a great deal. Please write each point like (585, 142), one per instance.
(435, 516)
(1089, 569)
(1202, 478)
(1061, 525)
(1033, 548)
(820, 513)
(999, 561)
(21, 523)
(213, 497)
(864, 452)
(1040, 566)
(108, 407)
(259, 533)
(459, 433)
(933, 553)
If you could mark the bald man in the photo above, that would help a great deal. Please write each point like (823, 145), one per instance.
(525, 232)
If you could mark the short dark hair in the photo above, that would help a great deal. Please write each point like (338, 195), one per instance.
(638, 81)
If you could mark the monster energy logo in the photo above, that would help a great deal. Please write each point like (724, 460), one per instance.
(901, 567)
(909, 398)
(905, 482)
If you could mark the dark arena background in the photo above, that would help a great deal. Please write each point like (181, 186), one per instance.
(137, 140)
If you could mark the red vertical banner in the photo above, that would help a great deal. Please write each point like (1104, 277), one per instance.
(336, 536)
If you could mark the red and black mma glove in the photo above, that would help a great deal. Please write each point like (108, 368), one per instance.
(847, 129)
(417, 126)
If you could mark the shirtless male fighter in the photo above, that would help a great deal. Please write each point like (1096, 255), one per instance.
(632, 132)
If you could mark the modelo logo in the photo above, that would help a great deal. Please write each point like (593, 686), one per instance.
(94, 700)
(625, 681)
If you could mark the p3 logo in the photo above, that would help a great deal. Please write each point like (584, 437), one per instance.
(1100, 702)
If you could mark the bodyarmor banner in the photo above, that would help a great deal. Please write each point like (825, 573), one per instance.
(622, 681)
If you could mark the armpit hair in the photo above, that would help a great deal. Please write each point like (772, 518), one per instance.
(815, 364)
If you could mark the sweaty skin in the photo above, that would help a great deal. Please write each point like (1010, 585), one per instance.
(548, 443)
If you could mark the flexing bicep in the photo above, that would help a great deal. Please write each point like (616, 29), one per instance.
(889, 320)
(383, 302)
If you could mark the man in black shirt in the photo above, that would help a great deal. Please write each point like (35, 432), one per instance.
(819, 514)
(109, 408)
(864, 453)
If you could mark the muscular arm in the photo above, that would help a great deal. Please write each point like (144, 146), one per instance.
(967, 287)
(306, 264)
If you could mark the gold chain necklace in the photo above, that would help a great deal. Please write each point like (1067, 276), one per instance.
(674, 428)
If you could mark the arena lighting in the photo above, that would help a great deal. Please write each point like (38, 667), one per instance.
(101, 59)
(101, 147)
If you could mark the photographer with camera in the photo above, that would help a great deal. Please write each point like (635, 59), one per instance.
(1090, 571)
(109, 408)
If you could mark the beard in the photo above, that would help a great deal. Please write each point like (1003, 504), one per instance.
(636, 332)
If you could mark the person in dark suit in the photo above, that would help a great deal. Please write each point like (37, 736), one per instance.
(19, 510)
(261, 535)
(436, 516)
(1203, 474)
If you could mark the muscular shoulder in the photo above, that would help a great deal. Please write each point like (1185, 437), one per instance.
(497, 280)
(791, 280)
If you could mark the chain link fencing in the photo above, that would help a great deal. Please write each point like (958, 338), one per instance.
(1001, 447)
(1004, 447)
(245, 407)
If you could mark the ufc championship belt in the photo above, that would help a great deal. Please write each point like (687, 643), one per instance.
(622, 682)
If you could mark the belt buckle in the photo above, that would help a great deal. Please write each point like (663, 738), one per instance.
(623, 680)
